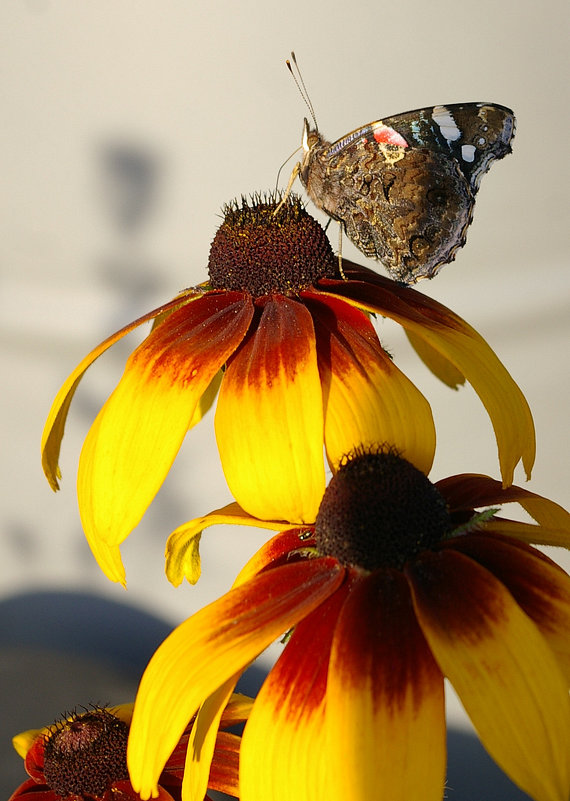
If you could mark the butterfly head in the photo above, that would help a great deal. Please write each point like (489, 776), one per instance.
(311, 138)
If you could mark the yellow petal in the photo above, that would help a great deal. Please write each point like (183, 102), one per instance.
(385, 715)
(208, 649)
(269, 419)
(434, 361)
(182, 554)
(136, 435)
(539, 586)
(55, 424)
(23, 742)
(123, 711)
(202, 742)
(460, 344)
(367, 399)
(283, 756)
(237, 710)
(531, 534)
(507, 677)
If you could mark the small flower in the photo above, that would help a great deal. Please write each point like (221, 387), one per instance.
(84, 757)
(398, 584)
(298, 364)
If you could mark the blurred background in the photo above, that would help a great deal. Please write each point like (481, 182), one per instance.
(126, 126)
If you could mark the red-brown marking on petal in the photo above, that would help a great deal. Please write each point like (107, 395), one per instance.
(378, 637)
(346, 339)
(451, 589)
(366, 286)
(280, 549)
(201, 327)
(333, 316)
(297, 682)
(282, 338)
(474, 490)
(538, 584)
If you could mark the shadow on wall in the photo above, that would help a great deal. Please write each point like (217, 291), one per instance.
(59, 650)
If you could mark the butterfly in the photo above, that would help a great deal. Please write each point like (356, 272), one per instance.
(403, 188)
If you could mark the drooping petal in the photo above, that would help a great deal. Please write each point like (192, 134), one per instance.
(460, 344)
(55, 423)
(367, 400)
(182, 548)
(529, 533)
(269, 418)
(283, 756)
(237, 711)
(441, 367)
(209, 648)
(539, 586)
(385, 715)
(223, 768)
(507, 677)
(202, 742)
(473, 490)
(136, 435)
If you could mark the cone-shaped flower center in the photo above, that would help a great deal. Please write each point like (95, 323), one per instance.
(85, 755)
(262, 252)
(379, 511)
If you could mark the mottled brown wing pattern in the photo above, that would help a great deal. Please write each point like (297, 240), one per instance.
(404, 187)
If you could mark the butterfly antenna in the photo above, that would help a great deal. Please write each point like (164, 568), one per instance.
(298, 78)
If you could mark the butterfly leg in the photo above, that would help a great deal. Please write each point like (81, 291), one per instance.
(341, 271)
(295, 172)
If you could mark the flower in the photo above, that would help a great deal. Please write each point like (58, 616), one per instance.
(398, 584)
(290, 346)
(83, 757)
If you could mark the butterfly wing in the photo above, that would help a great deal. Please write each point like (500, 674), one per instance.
(475, 134)
(404, 187)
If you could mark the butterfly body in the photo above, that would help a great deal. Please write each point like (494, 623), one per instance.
(404, 187)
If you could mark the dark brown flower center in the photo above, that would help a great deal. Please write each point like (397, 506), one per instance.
(262, 252)
(85, 755)
(379, 511)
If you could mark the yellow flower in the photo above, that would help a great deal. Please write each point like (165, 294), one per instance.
(398, 584)
(298, 365)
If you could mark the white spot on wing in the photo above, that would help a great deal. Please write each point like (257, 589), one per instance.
(468, 152)
(447, 125)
